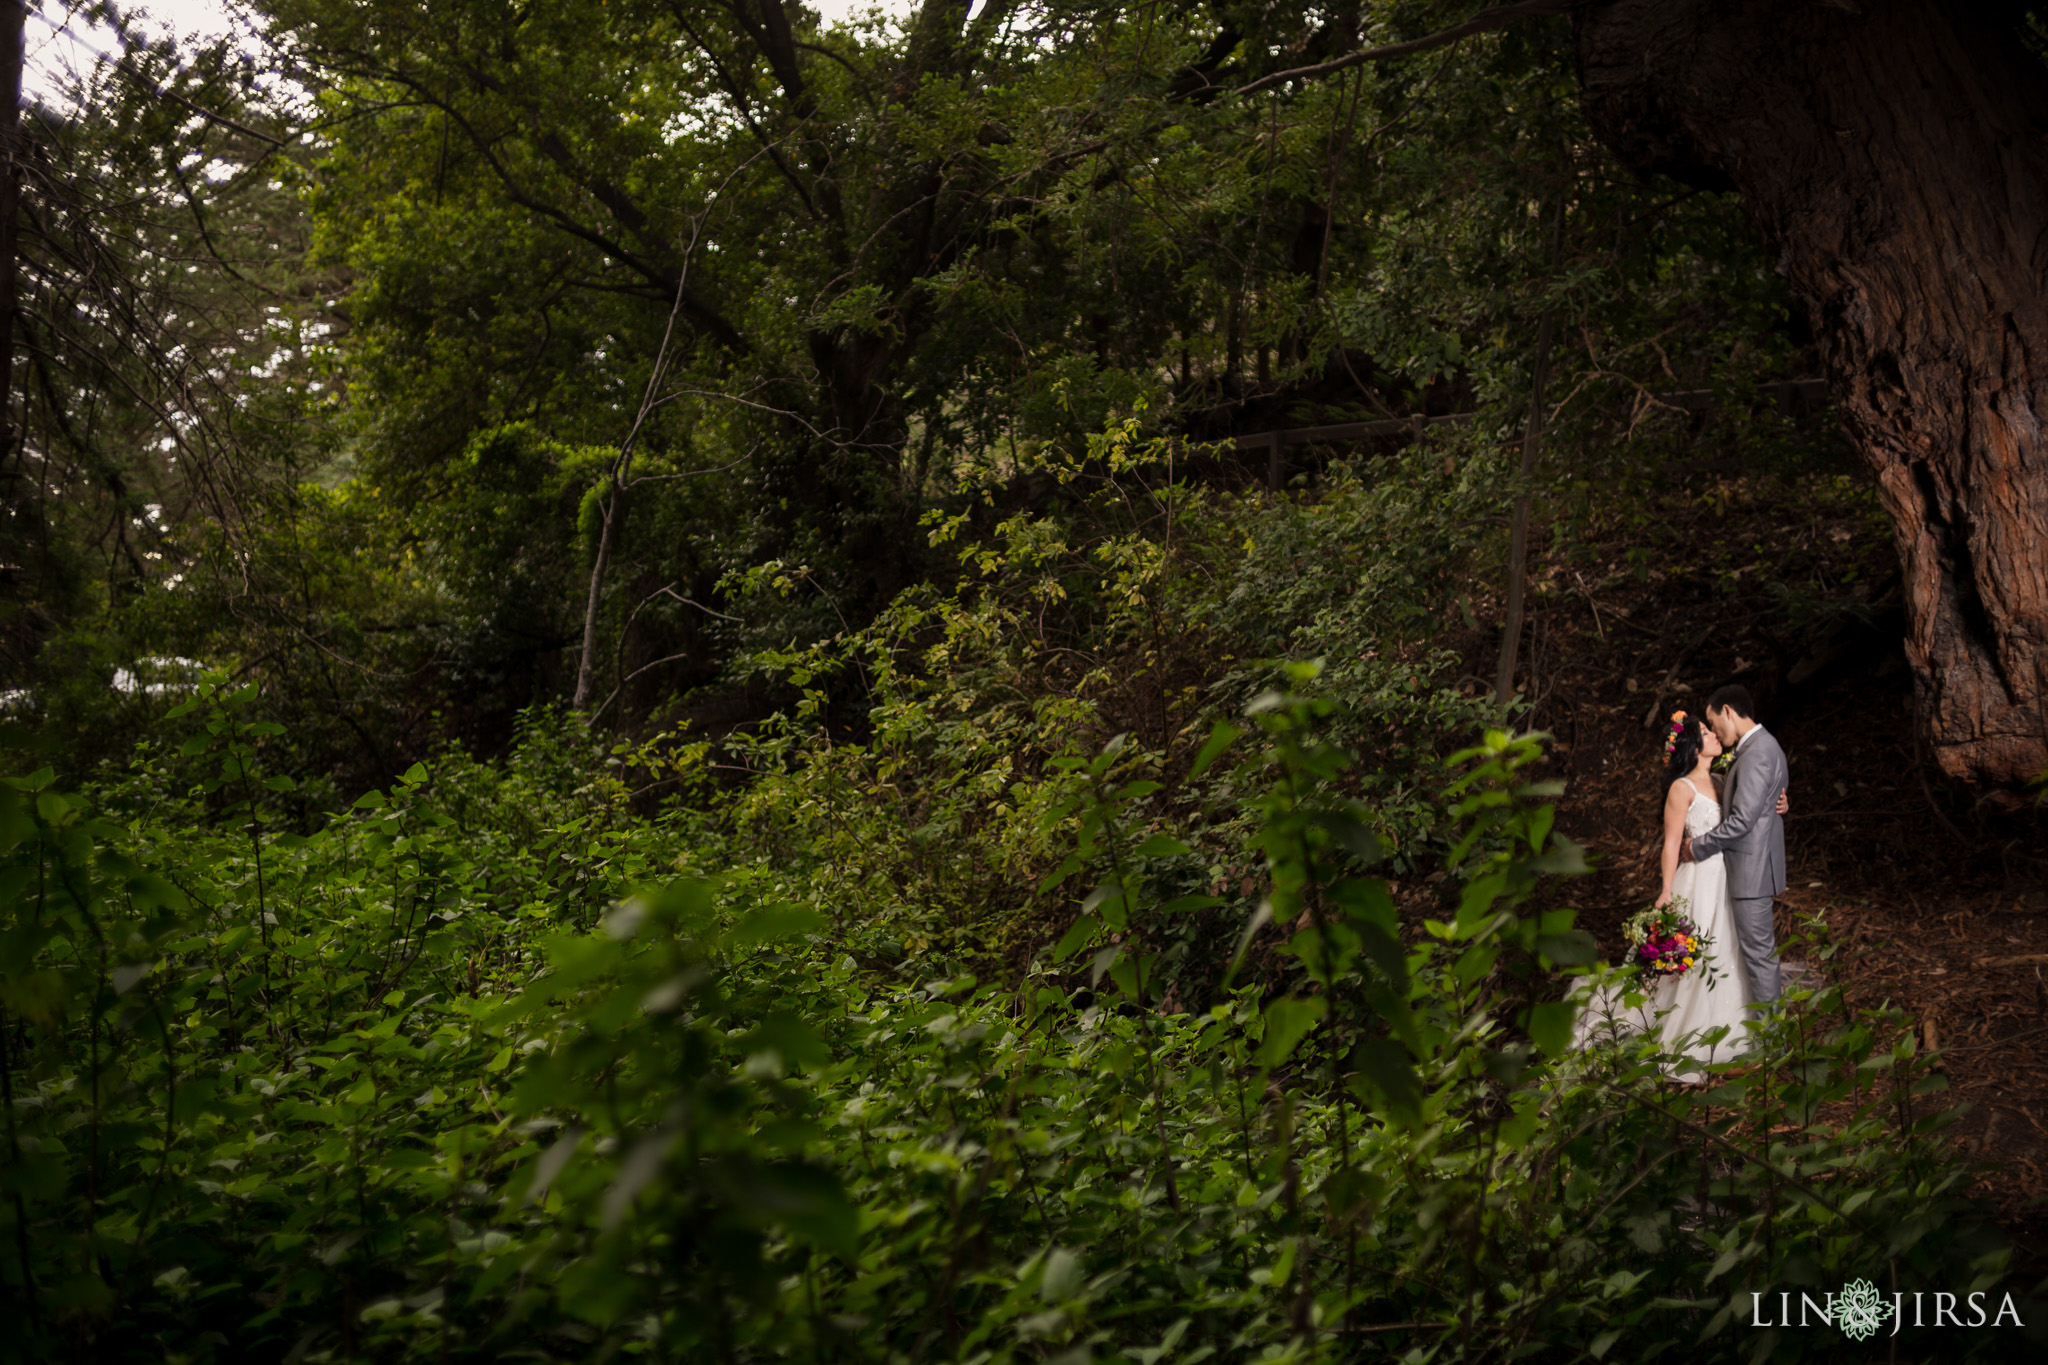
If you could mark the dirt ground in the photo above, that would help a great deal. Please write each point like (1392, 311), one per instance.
(1936, 894)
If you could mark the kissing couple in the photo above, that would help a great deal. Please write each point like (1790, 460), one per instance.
(1724, 856)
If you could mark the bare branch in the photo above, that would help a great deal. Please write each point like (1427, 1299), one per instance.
(150, 87)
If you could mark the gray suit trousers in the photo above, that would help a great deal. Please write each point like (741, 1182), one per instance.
(1758, 941)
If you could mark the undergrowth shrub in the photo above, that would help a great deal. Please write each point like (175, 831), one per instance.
(1162, 609)
(488, 1067)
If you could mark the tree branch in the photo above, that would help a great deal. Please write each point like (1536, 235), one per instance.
(700, 312)
(150, 87)
(1499, 16)
(604, 191)
(745, 109)
(772, 35)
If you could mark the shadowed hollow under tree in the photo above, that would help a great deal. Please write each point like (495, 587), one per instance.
(1895, 153)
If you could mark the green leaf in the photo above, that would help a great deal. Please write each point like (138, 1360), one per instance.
(1221, 736)
(552, 1163)
(1254, 922)
(810, 1202)
(1562, 859)
(1162, 846)
(641, 1165)
(19, 946)
(1127, 971)
(1576, 948)
(1550, 1026)
(1283, 1268)
(1061, 1277)
(1067, 868)
(35, 781)
(148, 889)
(16, 824)
(1076, 938)
(1389, 1072)
(796, 1041)
(1353, 837)
(194, 1096)
(774, 922)
(82, 1293)
(1288, 1021)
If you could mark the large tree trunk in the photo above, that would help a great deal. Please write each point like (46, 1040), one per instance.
(1896, 153)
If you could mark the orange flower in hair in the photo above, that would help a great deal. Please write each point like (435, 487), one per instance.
(1677, 728)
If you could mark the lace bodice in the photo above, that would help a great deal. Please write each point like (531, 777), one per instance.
(1704, 813)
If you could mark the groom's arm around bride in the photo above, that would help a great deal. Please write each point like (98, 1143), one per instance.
(1751, 833)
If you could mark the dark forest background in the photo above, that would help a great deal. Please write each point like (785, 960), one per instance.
(361, 376)
(686, 681)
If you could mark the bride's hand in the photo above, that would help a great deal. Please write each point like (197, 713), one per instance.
(1663, 898)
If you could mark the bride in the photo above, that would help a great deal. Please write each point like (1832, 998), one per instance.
(1681, 1009)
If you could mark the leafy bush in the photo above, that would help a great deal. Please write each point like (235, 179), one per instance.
(489, 1067)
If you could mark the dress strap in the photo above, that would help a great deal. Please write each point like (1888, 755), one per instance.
(1695, 790)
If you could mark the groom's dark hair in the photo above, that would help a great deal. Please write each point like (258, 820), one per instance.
(1733, 697)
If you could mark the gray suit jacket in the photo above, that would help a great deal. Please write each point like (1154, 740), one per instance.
(1751, 832)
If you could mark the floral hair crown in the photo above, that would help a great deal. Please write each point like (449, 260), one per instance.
(1677, 727)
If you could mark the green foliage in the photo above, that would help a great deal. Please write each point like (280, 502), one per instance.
(488, 1065)
(1066, 970)
(963, 265)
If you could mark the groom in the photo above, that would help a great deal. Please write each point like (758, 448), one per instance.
(1752, 833)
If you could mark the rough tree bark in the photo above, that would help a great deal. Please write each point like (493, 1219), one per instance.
(1895, 152)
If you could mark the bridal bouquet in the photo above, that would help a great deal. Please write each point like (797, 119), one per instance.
(1663, 941)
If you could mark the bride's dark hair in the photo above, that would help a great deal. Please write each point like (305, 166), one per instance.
(1684, 749)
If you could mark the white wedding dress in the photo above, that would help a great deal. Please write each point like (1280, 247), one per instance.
(1682, 1009)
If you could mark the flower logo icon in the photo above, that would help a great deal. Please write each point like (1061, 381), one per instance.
(1860, 1310)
